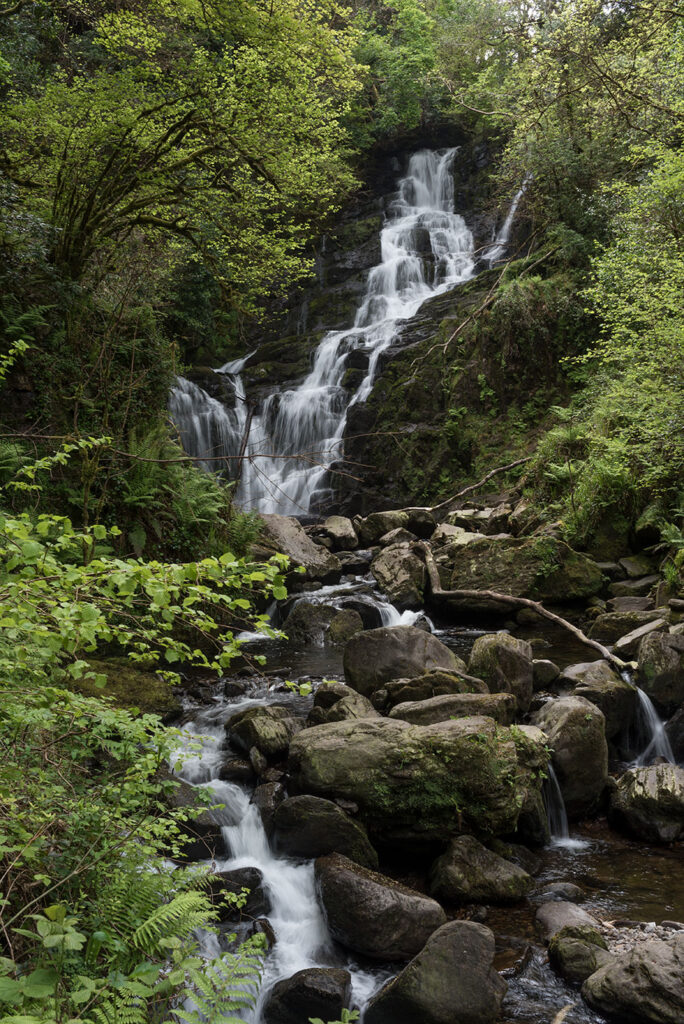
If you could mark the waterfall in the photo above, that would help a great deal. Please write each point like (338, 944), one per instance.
(498, 248)
(426, 249)
(557, 817)
(652, 739)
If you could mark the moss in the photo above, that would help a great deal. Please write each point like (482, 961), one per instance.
(131, 687)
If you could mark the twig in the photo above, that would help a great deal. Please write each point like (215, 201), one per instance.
(480, 483)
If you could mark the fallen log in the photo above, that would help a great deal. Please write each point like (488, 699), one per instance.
(509, 601)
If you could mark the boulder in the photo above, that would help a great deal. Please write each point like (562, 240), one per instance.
(377, 524)
(634, 588)
(374, 915)
(505, 664)
(376, 656)
(346, 624)
(308, 623)
(431, 684)
(610, 627)
(321, 992)
(398, 536)
(286, 535)
(400, 574)
(499, 706)
(598, 682)
(544, 673)
(555, 915)
(425, 783)
(675, 734)
(447, 535)
(341, 532)
(309, 826)
(541, 568)
(577, 951)
(266, 798)
(268, 728)
(631, 604)
(643, 986)
(627, 646)
(470, 873)
(576, 732)
(649, 803)
(661, 670)
(237, 770)
(636, 566)
(336, 703)
(451, 981)
(238, 893)
(420, 521)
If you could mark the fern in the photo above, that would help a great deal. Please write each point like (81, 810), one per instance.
(186, 912)
(224, 987)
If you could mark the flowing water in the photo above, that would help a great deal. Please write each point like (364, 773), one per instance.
(557, 816)
(498, 248)
(652, 741)
(426, 249)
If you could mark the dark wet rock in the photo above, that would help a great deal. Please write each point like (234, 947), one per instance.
(469, 873)
(451, 981)
(544, 673)
(421, 521)
(634, 588)
(262, 926)
(627, 646)
(321, 992)
(377, 524)
(308, 623)
(397, 652)
(371, 914)
(525, 858)
(269, 728)
(644, 986)
(598, 682)
(309, 826)
(675, 734)
(661, 670)
(336, 703)
(341, 532)
(563, 891)
(578, 951)
(286, 535)
(541, 568)
(238, 893)
(431, 684)
(551, 917)
(237, 770)
(422, 782)
(346, 624)
(202, 832)
(267, 799)
(576, 732)
(401, 575)
(499, 706)
(636, 566)
(505, 664)
(631, 604)
(649, 803)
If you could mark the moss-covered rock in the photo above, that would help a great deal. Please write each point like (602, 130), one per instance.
(400, 574)
(132, 687)
(505, 664)
(499, 706)
(661, 670)
(576, 732)
(376, 656)
(649, 803)
(431, 684)
(268, 728)
(469, 873)
(309, 826)
(577, 951)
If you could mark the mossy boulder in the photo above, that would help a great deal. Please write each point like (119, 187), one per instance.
(577, 951)
(423, 783)
(316, 992)
(470, 873)
(308, 623)
(643, 986)
(132, 687)
(599, 683)
(376, 656)
(268, 728)
(649, 803)
(377, 524)
(661, 670)
(499, 706)
(430, 684)
(612, 625)
(400, 574)
(576, 732)
(506, 665)
(540, 568)
(336, 702)
(309, 826)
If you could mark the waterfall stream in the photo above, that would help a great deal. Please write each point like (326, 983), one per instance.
(652, 741)
(498, 247)
(426, 249)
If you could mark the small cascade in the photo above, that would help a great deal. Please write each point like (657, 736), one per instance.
(302, 936)
(360, 591)
(500, 244)
(426, 250)
(651, 738)
(209, 431)
(556, 815)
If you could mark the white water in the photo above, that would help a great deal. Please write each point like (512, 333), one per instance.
(302, 937)
(426, 249)
(337, 595)
(500, 244)
(652, 739)
(557, 816)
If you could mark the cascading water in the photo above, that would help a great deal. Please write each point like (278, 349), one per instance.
(426, 249)
(556, 815)
(498, 248)
(652, 741)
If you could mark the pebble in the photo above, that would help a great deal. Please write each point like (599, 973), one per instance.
(623, 936)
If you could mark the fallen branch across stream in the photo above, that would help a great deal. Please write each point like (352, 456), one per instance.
(468, 597)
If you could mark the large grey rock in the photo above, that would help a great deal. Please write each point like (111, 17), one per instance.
(634, 588)
(287, 535)
(499, 706)
(308, 623)
(341, 532)
(377, 524)
(649, 803)
(336, 702)
(598, 682)
(551, 917)
(372, 914)
(644, 986)
(470, 873)
(309, 826)
(237, 893)
(577, 951)
(376, 656)
(321, 992)
(400, 574)
(268, 728)
(346, 624)
(422, 782)
(661, 670)
(627, 646)
(576, 733)
(675, 734)
(610, 627)
(505, 664)
(451, 981)
(431, 684)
